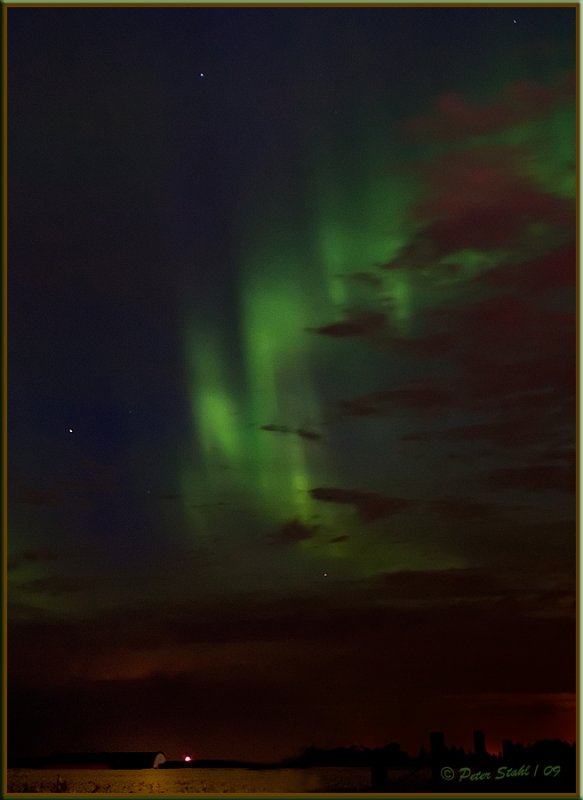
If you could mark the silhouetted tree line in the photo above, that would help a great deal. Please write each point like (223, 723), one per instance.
(547, 750)
(392, 768)
(544, 750)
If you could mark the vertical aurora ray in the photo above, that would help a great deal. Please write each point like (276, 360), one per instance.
(278, 303)
(296, 248)
(359, 204)
(216, 436)
(269, 472)
(212, 401)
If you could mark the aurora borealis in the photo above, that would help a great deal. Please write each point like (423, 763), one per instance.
(292, 359)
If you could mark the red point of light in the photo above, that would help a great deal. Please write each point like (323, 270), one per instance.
(187, 758)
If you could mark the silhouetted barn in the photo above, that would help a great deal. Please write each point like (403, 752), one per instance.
(105, 760)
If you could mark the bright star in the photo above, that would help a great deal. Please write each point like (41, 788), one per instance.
(201, 74)
(70, 430)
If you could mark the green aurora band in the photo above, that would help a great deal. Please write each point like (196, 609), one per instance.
(294, 263)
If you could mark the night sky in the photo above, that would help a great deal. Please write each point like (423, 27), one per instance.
(291, 377)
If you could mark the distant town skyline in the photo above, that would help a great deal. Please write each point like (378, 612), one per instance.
(292, 364)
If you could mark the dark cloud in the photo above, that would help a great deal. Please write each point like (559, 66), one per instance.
(419, 436)
(369, 505)
(26, 557)
(82, 485)
(484, 228)
(449, 585)
(464, 620)
(418, 397)
(462, 508)
(534, 477)
(39, 497)
(513, 352)
(412, 397)
(89, 478)
(363, 407)
(516, 370)
(310, 435)
(501, 190)
(301, 432)
(368, 324)
(567, 455)
(503, 319)
(521, 401)
(434, 345)
(549, 542)
(517, 431)
(54, 585)
(92, 477)
(294, 531)
(521, 101)
(367, 279)
(483, 199)
(550, 271)
(426, 608)
(409, 601)
(276, 428)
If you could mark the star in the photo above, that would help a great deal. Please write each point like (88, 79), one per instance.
(201, 74)
(70, 430)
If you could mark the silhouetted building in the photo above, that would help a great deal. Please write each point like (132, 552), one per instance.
(150, 760)
(436, 754)
(479, 744)
(437, 740)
